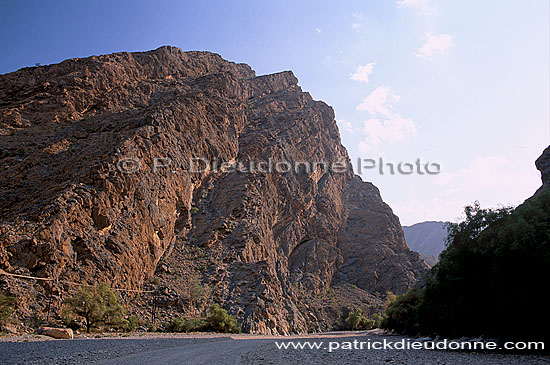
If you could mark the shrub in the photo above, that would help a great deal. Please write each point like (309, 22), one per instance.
(182, 324)
(197, 291)
(377, 318)
(492, 267)
(7, 306)
(131, 324)
(152, 327)
(356, 321)
(176, 325)
(401, 312)
(97, 305)
(196, 325)
(390, 298)
(220, 321)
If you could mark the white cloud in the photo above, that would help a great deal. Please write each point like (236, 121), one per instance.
(363, 72)
(386, 126)
(344, 125)
(380, 101)
(356, 26)
(436, 44)
(394, 129)
(318, 30)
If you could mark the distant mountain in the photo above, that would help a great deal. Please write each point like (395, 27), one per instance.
(426, 238)
(430, 260)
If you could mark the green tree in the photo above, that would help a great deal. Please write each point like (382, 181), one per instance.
(196, 291)
(219, 320)
(390, 298)
(357, 321)
(96, 304)
(401, 312)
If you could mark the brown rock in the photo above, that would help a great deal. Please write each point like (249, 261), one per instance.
(59, 333)
(10, 328)
(83, 198)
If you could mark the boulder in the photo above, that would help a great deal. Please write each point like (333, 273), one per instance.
(59, 333)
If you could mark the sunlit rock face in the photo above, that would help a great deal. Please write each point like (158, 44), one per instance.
(98, 185)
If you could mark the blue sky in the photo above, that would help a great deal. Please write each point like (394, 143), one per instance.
(461, 83)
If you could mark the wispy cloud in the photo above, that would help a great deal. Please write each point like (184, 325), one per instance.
(362, 73)
(357, 21)
(436, 44)
(345, 125)
(385, 126)
(418, 5)
(380, 101)
(318, 30)
(394, 129)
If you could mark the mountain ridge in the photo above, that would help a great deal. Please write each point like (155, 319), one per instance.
(427, 238)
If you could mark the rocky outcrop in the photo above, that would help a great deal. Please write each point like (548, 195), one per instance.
(100, 182)
(543, 165)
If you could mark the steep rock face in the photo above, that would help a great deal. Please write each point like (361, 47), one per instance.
(372, 243)
(98, 184)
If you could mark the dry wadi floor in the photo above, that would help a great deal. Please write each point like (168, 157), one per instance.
(231, 349)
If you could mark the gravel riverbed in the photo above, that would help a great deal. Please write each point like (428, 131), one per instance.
(235, 349)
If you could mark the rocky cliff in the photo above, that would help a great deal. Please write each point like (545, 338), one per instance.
(98, 183)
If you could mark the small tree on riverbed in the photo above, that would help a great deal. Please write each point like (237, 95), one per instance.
(97, 305)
